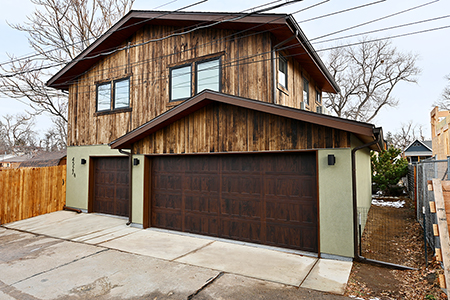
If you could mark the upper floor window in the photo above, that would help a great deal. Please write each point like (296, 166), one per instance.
(208, 75)
(318, 97)
(282, 71)
(305, 91)
(113, 95)
(180, 82)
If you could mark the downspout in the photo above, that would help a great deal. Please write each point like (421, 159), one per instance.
(130, 191)
(358, 257)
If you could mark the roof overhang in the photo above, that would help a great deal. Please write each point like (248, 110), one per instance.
(364, 131)
(282, 26)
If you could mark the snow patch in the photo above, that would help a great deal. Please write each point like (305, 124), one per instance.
(395, 204)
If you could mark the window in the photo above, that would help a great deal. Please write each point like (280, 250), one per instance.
(104, 96)
(305, 91)
(318, 96)
(208, 75)
(119, 97)
(121, 93)
(282, 71)
(180, 83)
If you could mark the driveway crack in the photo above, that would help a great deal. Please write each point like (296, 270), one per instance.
(70, 262)
(207, 283)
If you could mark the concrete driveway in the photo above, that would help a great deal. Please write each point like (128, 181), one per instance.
(64, 255)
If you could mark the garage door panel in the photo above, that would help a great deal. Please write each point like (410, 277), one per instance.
(201, 224)
(169, 181)
(168, 219)
(202, 203)
(260, 198)
(167, 200)
(246, 231)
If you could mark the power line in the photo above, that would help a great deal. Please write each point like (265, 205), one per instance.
(247, 60)
(375, 20)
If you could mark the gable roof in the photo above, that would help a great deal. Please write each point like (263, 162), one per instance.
(282, 26)
(364, 131)
(425, 145)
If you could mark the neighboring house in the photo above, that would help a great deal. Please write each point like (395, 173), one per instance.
(417, 151)
(218, 111)
(439, 133)
(12, 161)
(46, 159)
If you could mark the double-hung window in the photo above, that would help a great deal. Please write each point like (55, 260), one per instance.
(113, 95)
(305, 91)
(282, 71)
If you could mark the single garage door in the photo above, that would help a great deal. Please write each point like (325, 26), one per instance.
(268, 199)
(111, 186)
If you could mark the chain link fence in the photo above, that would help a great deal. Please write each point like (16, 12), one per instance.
(425, 171)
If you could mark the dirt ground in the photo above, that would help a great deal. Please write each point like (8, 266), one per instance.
(400, 241)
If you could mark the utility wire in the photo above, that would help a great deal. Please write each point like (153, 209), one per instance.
(248, 60)
(373, 21)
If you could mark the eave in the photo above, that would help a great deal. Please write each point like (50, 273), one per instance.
(363, 131)
(282, 26)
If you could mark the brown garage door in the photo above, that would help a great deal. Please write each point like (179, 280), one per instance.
(111, 186)
(268, 199)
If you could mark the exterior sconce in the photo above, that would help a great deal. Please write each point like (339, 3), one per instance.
(135, 161)
(331, 159)
(83, 161)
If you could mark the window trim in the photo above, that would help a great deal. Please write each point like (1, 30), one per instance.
(319, 95)
(113, 102)
(96, 96)
(112, 96)
(285, 84)
(170, 81)
(219, 58)
(306, 89)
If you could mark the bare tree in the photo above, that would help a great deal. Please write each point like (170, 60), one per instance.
(408, 133)
(367, 74)
(17, 134)
(444, 102)
(58, 30)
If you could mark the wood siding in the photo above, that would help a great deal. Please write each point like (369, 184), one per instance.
(30, 192)
(246, 72)
(226, 128)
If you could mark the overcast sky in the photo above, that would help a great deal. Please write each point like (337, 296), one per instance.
(415, 99)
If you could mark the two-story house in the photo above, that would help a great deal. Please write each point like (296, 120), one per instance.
(212, 123)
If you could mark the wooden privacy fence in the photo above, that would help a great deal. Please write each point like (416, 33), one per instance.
(29, 192)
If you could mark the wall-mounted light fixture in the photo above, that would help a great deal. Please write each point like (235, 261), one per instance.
(83, 161)
(331, 159)
(136, 161)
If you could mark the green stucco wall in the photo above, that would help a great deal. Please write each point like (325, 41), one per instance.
(78, 178)
(335, 203)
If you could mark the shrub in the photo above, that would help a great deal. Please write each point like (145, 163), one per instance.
(387, 170)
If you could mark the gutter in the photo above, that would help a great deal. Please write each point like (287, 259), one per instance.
(130, 192)
(357, 255)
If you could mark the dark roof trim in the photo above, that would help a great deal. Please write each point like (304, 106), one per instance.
(312, 53)
(206, 97)
(134, 20)
(421, 142)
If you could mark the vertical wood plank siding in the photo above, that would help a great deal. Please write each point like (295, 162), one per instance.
(246, 72)
(224, 128)
(29, 192)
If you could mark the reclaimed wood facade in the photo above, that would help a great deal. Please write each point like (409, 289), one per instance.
(226, 128)
(247, 71)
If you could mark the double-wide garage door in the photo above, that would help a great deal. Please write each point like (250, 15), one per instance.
(268, 199)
